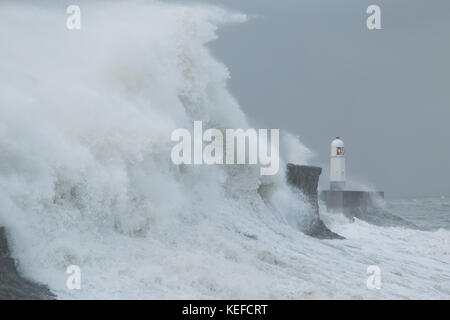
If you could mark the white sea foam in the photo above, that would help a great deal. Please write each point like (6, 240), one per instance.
(86, 176)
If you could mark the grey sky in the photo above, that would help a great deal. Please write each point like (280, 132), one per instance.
(313, 68)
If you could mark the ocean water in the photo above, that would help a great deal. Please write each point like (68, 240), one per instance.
(428, 213)
(412, 249)
(86, 177)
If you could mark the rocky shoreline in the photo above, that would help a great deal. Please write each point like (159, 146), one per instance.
(12, 285)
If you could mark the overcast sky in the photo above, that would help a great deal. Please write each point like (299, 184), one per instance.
(313, 68)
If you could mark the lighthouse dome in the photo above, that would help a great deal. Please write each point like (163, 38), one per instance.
(337, 147)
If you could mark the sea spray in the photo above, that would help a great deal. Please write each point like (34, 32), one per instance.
(86, 174)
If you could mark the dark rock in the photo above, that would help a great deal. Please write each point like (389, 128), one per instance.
(12, 285)
(306, 178)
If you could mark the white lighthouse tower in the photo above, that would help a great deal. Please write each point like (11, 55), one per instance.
(337, 165)
(337, 198)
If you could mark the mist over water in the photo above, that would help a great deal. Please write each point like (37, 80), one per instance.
(86, 176)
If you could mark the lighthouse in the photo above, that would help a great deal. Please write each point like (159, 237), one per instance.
(338, 198)
(337, 165)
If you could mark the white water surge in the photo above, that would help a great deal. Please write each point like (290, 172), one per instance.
(86, 176)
